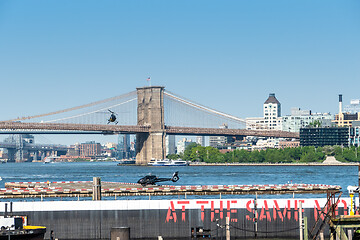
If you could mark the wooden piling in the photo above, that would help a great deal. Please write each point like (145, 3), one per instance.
(96, 189)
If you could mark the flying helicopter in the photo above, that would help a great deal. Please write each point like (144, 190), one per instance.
(152, 179)
(112, 117)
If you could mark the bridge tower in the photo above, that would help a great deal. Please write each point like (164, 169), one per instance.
(150, 112)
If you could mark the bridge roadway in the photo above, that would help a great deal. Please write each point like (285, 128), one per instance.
(67, 128)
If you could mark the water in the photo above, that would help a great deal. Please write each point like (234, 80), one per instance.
(189, 175)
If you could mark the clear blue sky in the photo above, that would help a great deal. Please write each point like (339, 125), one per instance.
(228, 55)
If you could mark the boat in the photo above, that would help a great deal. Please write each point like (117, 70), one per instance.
(50, 159)
(126, 162)
(168, 162)
(14, 228)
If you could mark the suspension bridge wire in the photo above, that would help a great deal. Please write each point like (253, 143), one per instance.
(75, 108)
(203, 108)
(88, 113)
(215, 112)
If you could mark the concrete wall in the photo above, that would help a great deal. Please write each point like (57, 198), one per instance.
(171, 219)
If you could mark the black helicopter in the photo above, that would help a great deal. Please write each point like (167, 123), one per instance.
(152, 179)
(112, 117)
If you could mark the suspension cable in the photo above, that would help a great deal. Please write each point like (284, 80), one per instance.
(207, 109)
(88, 113)
(74, 108)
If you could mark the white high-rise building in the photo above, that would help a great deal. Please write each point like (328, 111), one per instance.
(271, 116)
(272, 112)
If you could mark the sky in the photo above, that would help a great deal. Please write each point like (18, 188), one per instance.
(227, 55)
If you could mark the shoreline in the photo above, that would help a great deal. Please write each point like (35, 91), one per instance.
(273, 164)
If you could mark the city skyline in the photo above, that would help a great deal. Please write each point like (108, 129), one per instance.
(228, 56)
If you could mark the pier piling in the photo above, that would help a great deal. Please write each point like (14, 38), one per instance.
(96, 189)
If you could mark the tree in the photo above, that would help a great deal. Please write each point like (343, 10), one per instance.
(214, 155)
(173, 156)
(188, 151)
(315, 123)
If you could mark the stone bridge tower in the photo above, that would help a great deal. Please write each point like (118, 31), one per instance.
(150, 112)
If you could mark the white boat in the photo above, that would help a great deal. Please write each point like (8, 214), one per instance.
(167, 162)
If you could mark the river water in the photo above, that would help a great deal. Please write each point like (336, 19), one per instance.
(189, 175)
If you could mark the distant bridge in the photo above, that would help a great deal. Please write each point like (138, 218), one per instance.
(150, 112)
(18, 145)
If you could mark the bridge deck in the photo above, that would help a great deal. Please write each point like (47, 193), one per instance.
(84, 189)
(64, 128)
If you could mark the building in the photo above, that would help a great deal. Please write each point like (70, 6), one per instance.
(324, 136)
(255, 123)
(170, 144)
(90, 149)
(271, 116)
(110, 145)
(289, 144)
(182, 144)
(345, 119)
(73, 150)
(302, 118)
(123, 148)
(216, 141)
(200, 140)
(266, 143)
(272, 112)
(355, 134)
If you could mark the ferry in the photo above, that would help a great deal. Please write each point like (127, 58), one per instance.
(167, 162)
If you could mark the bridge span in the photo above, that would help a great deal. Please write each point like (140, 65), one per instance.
(66, 128)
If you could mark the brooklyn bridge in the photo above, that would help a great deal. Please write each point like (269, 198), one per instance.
(149, 112)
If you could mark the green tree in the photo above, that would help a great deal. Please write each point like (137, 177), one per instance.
(188, 151)
(315, 123)
(173, 156)
(214, 155)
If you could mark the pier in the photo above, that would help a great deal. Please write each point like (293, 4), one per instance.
(85, 189)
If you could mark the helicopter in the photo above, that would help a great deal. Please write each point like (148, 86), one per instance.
(112, 117)
(152, 179)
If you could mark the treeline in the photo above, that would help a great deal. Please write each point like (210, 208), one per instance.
(195, 152)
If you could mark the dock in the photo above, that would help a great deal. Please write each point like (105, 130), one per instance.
(85, 189)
